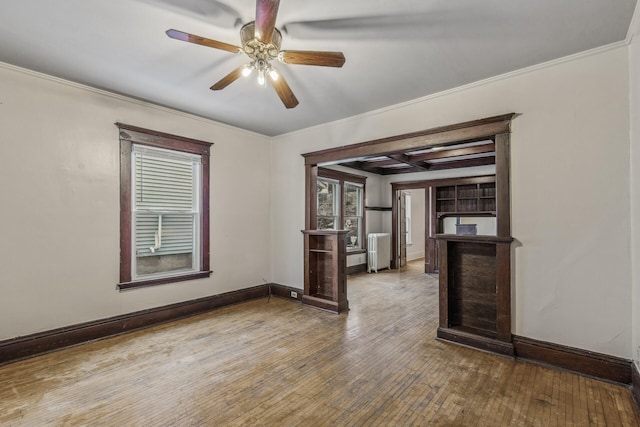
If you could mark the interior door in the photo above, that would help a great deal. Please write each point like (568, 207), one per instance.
(402, 229)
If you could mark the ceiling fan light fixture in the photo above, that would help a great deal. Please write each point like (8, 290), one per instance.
(261, 80)
(273, 73)
(247, 70)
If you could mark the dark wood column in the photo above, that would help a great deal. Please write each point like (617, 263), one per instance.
(311, 197)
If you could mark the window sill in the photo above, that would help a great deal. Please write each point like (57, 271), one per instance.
(162, 281)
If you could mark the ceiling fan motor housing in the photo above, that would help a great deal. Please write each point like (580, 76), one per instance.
(257, 50)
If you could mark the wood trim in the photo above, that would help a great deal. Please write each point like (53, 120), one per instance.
(635, 385)
(503, 195)
(394, 229)
(378, 208)
(356, 269)
(598, 365)
(283, 291)
(476, 341)
(45, 342)
(311, 197)
(341, 176)
(473, 238)
(445, 135)
(171, 279)
(205, 231)
(154, 138)
(125, 211)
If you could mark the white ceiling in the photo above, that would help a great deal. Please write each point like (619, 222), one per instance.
(396, 50)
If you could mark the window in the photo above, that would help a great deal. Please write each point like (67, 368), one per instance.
(164, 208)
(353, 214)
(340, 205)
(328, 204)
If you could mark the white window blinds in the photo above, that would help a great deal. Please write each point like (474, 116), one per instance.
(165, 204)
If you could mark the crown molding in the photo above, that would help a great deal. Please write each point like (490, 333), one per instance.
(124, 98)
(634, 24)
(479, 83)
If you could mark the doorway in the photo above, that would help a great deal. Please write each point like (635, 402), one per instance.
(475, 143)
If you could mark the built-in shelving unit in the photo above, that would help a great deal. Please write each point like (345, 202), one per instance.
(465, 199)
(325, 266)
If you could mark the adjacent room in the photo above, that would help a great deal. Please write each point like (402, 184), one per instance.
(268, 212)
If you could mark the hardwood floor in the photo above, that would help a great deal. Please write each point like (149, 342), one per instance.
(275, 362)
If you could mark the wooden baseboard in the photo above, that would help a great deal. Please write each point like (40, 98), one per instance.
(476, 341)
(635, 384)
(356, 269)
(597, 365)
(285, 291)
(44, 342)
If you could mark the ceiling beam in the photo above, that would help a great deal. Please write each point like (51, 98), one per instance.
(380, 163)
(482, 161)
(409, 160)
(444, 154)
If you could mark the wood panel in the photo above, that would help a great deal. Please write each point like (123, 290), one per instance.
(356, 269)
(472, 287)
(277, 362)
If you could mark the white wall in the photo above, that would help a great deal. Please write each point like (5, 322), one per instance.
(570, 177)
(59, 186)
(416, 249)
(634, 91)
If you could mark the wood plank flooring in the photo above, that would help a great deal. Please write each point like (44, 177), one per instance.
(277, 363)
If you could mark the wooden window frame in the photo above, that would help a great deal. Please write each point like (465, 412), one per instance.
(341, 178)
(136, 135)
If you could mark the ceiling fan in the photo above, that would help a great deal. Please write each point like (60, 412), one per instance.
(261, 42)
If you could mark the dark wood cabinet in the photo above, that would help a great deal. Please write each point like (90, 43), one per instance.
(325, 269)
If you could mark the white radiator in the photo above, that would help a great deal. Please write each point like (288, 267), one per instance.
(379, 250)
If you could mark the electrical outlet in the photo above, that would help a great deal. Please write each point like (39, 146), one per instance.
(294, 294)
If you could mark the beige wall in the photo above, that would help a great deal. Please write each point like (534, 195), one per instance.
(634, 91)
(570, 177)
(59, 186)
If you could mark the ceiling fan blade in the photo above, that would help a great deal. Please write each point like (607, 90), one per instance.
(228, 79)
(310, 57)
(266, 12)
(284, 91)
(365, 27)
(186, 37)
(214, 12)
